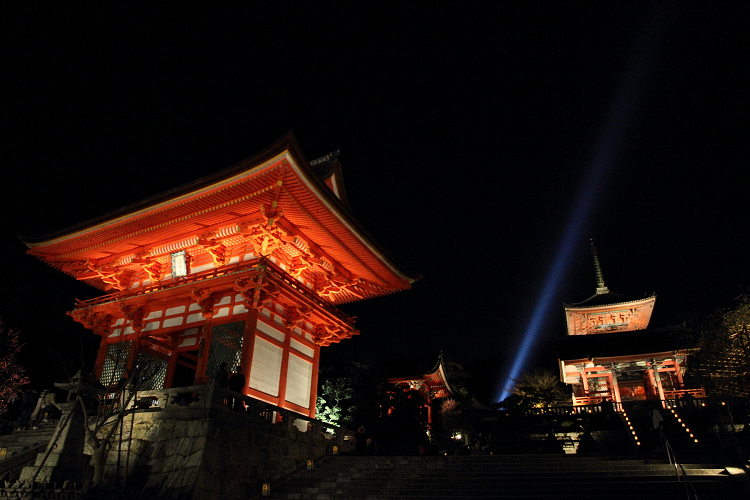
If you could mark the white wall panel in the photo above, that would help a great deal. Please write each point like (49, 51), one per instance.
(173, 321)
(265, 370)
(298, 380)
(194, 317)
(175, 310)
(271, 331)
(302, 348)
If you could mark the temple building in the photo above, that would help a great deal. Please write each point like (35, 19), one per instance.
(428, 378)
(610, 354)
(245, 266)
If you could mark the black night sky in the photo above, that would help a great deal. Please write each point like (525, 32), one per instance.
(468, 138)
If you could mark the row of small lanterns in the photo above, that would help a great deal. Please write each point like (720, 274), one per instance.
(630, 427)
(684, 426)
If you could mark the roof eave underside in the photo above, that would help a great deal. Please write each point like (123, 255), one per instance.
(581, 307)
(345, 229)
(633, 357)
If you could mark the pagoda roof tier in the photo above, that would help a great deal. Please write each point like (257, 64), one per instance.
(607, 298)
(622, 346)
(275, 205)
(607, 313)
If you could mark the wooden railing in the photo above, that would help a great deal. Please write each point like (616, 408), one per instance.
(229, 271)
(682, 393)
(212, 396)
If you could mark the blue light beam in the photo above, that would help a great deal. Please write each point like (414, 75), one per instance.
(608, 145)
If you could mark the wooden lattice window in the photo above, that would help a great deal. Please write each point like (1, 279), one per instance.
(115, 363)
(152, 372)
(226, 346)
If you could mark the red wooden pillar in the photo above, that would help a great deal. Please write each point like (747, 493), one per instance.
(659, 386)
(284, 366)
(203, 350)
(585, 381)
(314, 382)
(615, 390)
(171, 367)
(248, 345)
(103, 345)
(678, 375)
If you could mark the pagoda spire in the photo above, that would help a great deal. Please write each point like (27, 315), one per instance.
(601, 288)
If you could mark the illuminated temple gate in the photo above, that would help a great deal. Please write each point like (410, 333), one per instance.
(609, 354)
(245, 266)
(428, 379)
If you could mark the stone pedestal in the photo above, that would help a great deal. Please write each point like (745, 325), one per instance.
(64, 459)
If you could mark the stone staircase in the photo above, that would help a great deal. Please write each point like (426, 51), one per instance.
(22, 446)
(506, 476)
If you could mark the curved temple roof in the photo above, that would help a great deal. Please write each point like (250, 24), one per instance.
(273, 204)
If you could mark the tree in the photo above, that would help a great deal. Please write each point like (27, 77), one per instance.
(351, 396)
(723, 361)
(357, 395)
(539, 388)
(12, 374)
(332, 406)
(105, 406)
(457, 377)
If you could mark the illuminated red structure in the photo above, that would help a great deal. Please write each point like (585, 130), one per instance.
(245, 266)
(430, 382)
(610, 354)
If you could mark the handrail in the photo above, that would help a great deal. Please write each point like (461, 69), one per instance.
(211, 395)
(680, 472)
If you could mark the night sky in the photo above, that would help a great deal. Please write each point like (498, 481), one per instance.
(477, 145)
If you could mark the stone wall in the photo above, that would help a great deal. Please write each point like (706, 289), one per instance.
(192, 446)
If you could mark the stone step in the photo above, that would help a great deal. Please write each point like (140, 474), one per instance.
(26, 440)
(493, 459)
(537, 477)
(426, 467)
(21, 440)
(675, 492)
(626, 490)
(500, 478)
(495, 482)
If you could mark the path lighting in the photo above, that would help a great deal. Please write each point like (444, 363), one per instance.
(266, 491)
(335, 449)
(310, 464)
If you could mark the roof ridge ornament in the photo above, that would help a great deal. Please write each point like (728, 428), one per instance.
(329, 157)
(601, 288)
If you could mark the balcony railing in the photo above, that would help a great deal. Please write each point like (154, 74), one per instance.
(212, 396)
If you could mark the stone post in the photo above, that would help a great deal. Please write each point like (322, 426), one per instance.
(64, 459)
